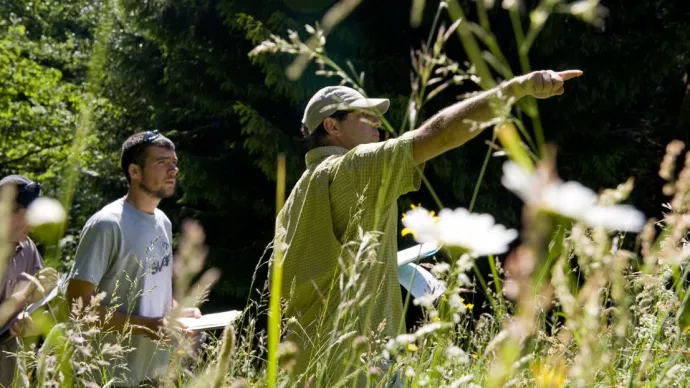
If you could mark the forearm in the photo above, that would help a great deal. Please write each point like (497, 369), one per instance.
(120, 321)
(81, 293)
(10, 307)
(460, 122)
(21, 296)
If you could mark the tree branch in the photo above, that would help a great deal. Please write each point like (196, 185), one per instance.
(5, 163)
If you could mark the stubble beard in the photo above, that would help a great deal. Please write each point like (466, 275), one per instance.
(160, 193)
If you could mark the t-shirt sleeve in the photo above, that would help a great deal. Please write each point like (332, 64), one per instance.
(168, 230)
(95, 250)
(387, 169)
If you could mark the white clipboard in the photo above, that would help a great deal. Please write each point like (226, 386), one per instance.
(33, 307)
(417, 252)
(43, 301)
(210, 321)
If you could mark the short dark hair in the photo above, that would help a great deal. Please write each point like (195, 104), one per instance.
(316, 138)
(134, 148)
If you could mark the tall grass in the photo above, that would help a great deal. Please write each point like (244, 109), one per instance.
(274, 312)
(569, 306)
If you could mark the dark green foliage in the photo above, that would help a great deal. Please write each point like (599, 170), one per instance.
(182, 67)
(44, 50)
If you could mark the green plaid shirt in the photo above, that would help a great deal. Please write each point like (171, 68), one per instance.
(340, 197)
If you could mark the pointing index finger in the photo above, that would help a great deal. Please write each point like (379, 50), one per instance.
(569, 74)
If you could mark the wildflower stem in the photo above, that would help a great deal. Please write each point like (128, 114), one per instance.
(545, 267)
(510, 140)
(226, 353)
(425, 67)
(471, 48)
(485, 287)
(521, 127)
(538, 130)
(519, 38)
(634, 377)
(483, 17)
(433, 27)
(481, 173)
(497, 284)
(529, 104)
(276, 284)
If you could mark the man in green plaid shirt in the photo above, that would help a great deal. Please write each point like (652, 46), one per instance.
(338, 228)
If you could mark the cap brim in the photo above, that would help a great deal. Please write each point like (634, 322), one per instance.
(380, 104)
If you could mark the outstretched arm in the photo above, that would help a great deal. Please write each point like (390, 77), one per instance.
(456, 124)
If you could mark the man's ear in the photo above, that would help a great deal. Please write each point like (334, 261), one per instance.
(134, 170)
(330, 125)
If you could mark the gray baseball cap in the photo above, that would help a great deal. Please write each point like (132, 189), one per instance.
(334, 98)
(27, 190)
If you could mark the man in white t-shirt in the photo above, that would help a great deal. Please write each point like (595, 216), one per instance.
(125, 250)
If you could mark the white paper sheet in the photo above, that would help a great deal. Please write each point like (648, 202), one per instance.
(418, 281)
(211, 321)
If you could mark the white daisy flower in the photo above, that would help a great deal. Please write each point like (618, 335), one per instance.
(478, 234)
(569, 199)
(618, 217)
(421, 223)
(44, 210)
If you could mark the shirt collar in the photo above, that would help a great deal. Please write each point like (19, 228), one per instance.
(317, 155)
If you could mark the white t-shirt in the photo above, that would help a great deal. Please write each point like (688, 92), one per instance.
(127, 253)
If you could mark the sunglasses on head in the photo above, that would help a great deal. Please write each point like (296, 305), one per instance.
(150, 136)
